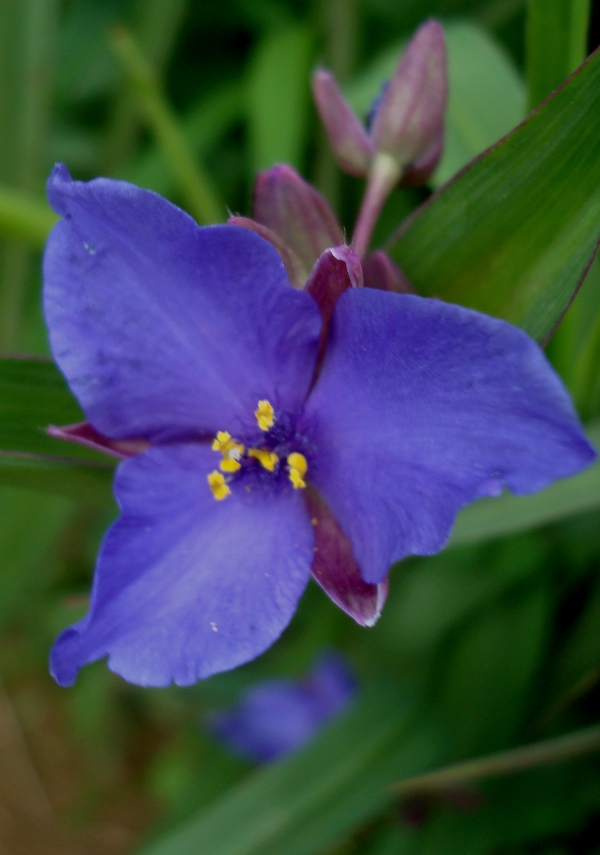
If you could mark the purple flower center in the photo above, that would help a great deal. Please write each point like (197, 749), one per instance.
(274, 456)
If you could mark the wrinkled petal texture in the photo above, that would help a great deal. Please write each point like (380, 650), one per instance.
(166, 330)
(186, 586)
(420, 408)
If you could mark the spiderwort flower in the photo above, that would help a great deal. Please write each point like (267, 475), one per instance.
(193, 341)
(274, 717)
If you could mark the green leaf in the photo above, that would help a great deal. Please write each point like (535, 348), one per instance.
(513, 234)
(556, 43)
(279, 96)
(506, 514)
(31, 524)
(489, 669)
(487, 95)
(33, 395)
(320, 794)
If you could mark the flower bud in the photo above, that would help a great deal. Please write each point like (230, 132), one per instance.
(338, 269)
(411, 115)
(382, 273)
(290, 207)
(349, 140)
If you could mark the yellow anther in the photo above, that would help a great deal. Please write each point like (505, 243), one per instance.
(267, 459)
(221, 440)
(297, 461)
(297, 466)
(218, 486)
(265, 415)
(232, 453)
(229, 464)
(297, 479)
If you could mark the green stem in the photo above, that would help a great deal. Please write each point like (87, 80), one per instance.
(194, 185)
(533, 756)
(23, 217)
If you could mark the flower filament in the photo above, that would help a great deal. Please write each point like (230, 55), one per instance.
(235, 457)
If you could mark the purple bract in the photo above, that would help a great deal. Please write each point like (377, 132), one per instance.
(193, 341)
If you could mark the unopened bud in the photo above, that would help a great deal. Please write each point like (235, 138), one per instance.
(411, 115)
(348, 138)
(406, 121)
(290, 207)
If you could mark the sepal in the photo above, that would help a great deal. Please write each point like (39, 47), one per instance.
(83, 433)
(335, 568)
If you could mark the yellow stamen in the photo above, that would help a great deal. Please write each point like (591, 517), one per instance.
(221, 440)
(229, 464)
(218, 486)
(297, 479)
(297, 469)
(265, 415)
(267, 459)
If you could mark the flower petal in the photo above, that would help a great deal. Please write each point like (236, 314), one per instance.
(165, 329)
(335, 568)
(187, 586)
(423, 406)
(275, 717)
(293, 266)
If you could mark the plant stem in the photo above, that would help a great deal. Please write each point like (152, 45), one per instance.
(383, 176)
(195, 187)
(533, 756)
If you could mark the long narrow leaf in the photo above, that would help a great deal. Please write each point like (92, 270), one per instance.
(514, 233)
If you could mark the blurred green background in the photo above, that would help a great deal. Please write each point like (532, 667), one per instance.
(492, 644)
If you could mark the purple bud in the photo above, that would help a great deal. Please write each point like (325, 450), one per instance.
(382, 273)
(411, 114)
(83, 433)
(335, 568)
(349, 140)
(289, 206)
(419, 172)
(336, 270)
(293, 266)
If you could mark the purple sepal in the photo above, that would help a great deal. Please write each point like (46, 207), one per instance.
(289, 206)
(348, 138)
(336, 270)
(293, 266)
(419, 172)
(83, 433)
(335, 569)
(382, 273)
(410, 118)
(274, 717)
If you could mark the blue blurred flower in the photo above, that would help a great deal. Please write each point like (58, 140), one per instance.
(276, 716)
(191, 343)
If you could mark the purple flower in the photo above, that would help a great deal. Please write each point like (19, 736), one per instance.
(275, 717)
(193, 341)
